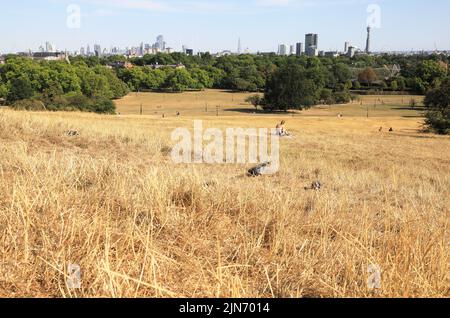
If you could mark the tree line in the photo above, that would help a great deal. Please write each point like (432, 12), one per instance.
(58, 85)
(288, 82)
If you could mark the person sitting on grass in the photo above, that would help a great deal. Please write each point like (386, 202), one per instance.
(281, 130)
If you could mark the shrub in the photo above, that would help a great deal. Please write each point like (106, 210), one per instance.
(438, 122)
(342, 97)
(438, 103)
(28, 104)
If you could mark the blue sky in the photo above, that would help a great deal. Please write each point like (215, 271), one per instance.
(217, 24)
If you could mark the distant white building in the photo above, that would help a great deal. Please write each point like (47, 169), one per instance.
(282, 50)
(49, 47)
(49, 56)
(351, 51)
(292, 50)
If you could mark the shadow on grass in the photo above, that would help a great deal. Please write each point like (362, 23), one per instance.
(409, 108)
(258, 112)
(423, 134)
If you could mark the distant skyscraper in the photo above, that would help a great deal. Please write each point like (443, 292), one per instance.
(368, 40)
(346, 46)
(239, 51)
(282, 49)
(82, 52)
(299, 49)
(88, 50)
(49, 47)
(160, 45)
(311, 44)
(97, 50)
(351, 51)
(292, 50)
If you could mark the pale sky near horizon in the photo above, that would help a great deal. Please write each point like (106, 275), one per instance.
(216, 25)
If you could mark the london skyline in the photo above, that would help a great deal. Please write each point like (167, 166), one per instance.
(261, 25)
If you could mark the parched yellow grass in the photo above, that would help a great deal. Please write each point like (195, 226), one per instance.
(226, 103)
(112, 201)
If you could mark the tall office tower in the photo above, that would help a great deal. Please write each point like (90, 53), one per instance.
(351, 51)
(311, 44)
(282, 49)
(346, 46)
(299, 50)
(97, 50)
(88, 50)
(311, 40)
(82, 52)
(292, 50)
(368, 40)
(239, 51)
(160, 45)
(48, 47)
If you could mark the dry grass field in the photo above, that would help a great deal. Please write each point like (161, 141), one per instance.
(211, 102)
(112, 201)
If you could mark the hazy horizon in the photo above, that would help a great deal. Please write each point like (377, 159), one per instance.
(261, 25)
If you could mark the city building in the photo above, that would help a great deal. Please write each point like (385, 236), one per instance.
(292, 50)
(331, 54)
(189, 52)
(49, 56)
(224, 53)
(160, 45)
(368, 40)
(346, 46)
(299, 49)
(351, 51)
(2, 59)
(311, 44)
(120, 64)
(282, 50)
(49, 47)
(97, 50)
(175, 66)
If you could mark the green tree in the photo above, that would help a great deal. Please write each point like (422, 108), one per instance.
(401, 83)
(3, 91)
(255, 100)
(179, 80)
(326, 96)
(394, 85)
(341, 72)
(438, 103)
(290, 87)
(201, 78)
(20, 89)
(428, 71)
